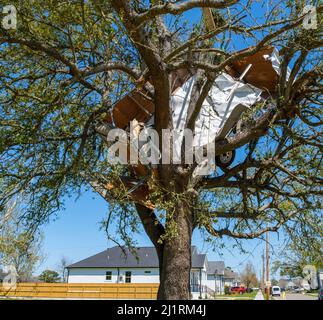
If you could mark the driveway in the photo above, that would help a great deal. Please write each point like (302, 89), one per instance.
(296, 296)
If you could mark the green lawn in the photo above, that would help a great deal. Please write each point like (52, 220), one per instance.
(244, 296)
(312, 294)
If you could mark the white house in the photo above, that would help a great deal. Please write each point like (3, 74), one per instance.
(231, 278)
(320, 278)
(2, 275)
(215, 276)
(115, 265)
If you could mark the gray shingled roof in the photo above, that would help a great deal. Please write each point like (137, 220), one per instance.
(215, 267)
(145, 257)
(2, 275)
(229, 274)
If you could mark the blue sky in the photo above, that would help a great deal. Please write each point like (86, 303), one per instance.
(76, 232)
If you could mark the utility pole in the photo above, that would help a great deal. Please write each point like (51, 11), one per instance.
(263, 272)
(260, 284)
(267, 266)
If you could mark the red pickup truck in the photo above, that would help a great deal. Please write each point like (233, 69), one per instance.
(239, 290)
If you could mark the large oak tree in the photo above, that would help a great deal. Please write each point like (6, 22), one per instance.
(68, 62)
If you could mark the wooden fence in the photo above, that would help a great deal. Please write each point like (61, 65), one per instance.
(83, 290)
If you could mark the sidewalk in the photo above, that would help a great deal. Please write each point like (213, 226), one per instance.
(259, 296)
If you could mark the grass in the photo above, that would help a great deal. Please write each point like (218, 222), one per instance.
(312, 294)
(244, 296)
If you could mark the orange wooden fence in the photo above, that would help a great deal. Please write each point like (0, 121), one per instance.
(83, 290)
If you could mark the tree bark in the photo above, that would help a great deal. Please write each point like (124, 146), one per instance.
(176, 266)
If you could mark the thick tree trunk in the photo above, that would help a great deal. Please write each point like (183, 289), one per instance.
(176, 266)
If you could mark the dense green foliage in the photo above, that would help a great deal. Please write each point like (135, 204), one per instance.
(53, 93)
(49, 276)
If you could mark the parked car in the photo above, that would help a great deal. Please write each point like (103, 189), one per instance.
(239, 290)
(275, 291)
(320, 295)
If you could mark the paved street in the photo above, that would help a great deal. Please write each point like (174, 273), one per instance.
(296, 296)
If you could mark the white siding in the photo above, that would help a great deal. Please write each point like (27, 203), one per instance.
(97, 275)
(216, 285)
(231, 283)
(138, 275)
(198, 279)
(320, 276)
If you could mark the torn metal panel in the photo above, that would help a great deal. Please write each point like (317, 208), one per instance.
(275, 60)
(227, 99)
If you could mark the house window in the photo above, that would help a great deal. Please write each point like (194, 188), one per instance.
(108, 275)
(128, 276)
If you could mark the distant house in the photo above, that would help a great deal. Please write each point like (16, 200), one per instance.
(291, 285)
(301, 283)
(113, 266)
(215, 276)
(297, 283)
(2, 275)
(282, 283)
(231, 278)
(320, 278)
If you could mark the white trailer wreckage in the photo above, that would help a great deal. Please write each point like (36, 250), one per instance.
(245, 82)
(248, 81)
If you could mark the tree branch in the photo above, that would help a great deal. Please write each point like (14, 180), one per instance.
(55, 54)
(170, 8)
(152, 226)
(251, 235)
(104, 67)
